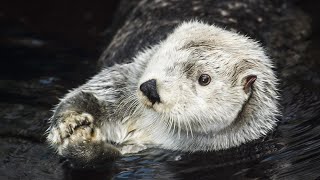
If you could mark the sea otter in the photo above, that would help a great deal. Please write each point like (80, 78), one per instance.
(203, 88)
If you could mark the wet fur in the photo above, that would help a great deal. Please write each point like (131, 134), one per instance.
(111, 114)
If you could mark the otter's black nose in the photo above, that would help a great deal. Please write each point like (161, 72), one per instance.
(149, 89)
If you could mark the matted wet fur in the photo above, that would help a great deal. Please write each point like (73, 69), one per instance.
(113, 115)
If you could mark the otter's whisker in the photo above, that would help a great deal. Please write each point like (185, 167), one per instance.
(170, 123)
(190, 128)
(179, 127)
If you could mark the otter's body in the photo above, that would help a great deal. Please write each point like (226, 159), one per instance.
(201, 89)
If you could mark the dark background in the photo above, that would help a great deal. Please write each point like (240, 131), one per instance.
(52, 42)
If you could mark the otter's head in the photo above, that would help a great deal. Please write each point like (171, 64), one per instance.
(205, 79)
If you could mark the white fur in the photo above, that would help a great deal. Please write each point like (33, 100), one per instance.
(191, 117)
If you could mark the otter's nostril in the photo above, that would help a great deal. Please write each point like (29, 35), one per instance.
(149, 89)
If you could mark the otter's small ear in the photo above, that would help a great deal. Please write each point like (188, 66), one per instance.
(249, 80)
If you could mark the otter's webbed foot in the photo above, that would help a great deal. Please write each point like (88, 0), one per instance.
(75, 136)
(71, 126)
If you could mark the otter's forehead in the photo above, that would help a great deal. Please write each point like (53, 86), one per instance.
(184, 62)
(194, 48)
(196, 35)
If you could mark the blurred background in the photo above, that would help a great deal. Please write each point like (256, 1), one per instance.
(47, 41)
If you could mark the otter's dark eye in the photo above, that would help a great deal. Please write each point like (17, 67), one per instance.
(204, 79)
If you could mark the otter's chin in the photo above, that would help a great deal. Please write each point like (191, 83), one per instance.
(163, 108)
(160, 107)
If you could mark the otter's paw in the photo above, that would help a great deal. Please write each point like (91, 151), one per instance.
(71, 128)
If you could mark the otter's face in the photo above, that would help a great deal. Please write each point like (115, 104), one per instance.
(198, 83)
(191, 88)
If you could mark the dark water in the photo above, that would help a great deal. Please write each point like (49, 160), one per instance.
(46, 49)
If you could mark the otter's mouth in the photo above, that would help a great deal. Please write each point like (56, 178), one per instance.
(148, 93)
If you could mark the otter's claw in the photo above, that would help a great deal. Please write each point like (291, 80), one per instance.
(71, 128)
(71, 121)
